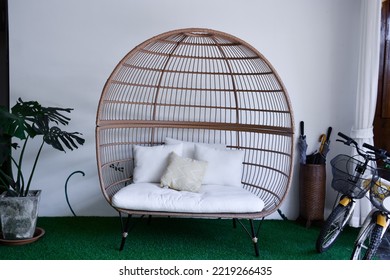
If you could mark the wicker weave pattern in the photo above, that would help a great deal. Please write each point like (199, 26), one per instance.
(204, 86)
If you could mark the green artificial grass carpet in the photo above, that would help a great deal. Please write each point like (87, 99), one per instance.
(98, 238)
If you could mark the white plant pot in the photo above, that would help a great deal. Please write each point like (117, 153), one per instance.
(18, 215)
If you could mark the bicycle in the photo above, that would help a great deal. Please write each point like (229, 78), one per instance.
(350, 181)
(377, 221)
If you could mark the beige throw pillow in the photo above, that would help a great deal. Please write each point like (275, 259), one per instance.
(183, 174)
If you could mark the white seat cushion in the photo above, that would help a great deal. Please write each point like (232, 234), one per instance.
(209, 199)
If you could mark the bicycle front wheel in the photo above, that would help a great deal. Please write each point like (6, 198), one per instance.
(368, 242)
(332, 228)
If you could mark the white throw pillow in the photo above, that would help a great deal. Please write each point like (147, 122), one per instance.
(151, 162)
(224, 166)
(183, 174)
(189, 147)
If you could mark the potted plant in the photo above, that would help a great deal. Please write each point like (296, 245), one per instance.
(25, 121)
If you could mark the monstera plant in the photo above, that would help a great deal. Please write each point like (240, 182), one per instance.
(27, 121)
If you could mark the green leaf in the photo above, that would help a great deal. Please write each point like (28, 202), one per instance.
(16, 123)
(57, 138)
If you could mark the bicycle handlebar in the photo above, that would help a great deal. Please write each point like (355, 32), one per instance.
(383, 154)
(380, 153)
(348, 139)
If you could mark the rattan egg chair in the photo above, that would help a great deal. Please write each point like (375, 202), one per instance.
(204, 86)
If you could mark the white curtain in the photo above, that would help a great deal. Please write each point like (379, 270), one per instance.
(367, 87)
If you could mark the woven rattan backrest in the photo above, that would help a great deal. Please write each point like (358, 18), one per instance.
(197, 85)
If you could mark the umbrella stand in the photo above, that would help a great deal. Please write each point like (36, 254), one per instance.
(312, 180)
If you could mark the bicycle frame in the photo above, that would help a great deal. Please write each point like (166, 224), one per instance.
(370, 235)
(382, 219)
(348, 177)
(345, 201)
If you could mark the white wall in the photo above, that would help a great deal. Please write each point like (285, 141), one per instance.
(62, 52)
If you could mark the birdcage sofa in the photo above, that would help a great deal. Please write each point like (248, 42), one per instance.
(188, 90)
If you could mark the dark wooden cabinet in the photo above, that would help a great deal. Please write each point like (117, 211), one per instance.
(382, 114)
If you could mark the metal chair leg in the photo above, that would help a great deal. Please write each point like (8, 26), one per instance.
(125, 230)
(254, 238)
(252, 234)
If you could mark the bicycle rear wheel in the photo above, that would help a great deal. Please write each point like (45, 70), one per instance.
(333, 226)
(368, 242)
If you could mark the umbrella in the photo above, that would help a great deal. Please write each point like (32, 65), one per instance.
(320, 157)
(325, 148)
(302, 144)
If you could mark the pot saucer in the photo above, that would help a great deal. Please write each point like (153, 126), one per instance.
(39, 232)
